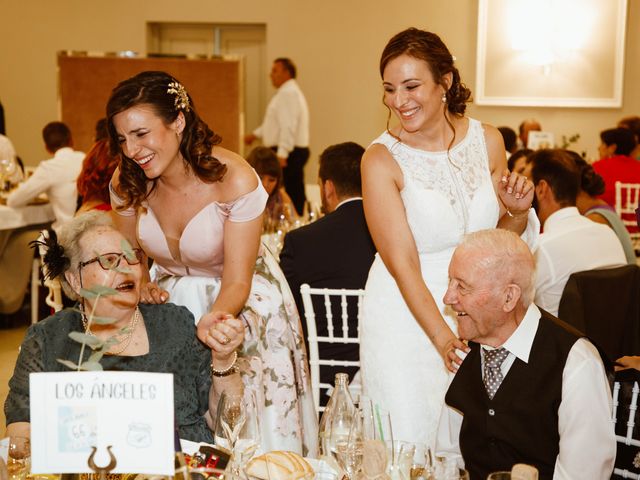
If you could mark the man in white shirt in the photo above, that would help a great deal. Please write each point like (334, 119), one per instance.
(530, 390)
(570, 242)
(285, 129)
(56, 176)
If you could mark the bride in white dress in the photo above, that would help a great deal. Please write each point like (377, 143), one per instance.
(435, 177)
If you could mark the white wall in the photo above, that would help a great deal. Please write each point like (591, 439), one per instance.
(336, 44)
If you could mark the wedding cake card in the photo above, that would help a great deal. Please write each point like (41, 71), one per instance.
(132, 412)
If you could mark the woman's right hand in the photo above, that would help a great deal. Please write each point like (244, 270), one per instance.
(222, 333)
(152, 293)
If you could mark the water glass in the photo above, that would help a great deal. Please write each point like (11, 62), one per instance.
(230, 418)
(447, 467)
(19, 458)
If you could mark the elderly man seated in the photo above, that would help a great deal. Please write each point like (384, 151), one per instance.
(530, 390)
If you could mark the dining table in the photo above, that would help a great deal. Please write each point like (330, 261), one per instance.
(37, 213)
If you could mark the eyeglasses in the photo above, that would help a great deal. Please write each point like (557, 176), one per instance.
(110, 261)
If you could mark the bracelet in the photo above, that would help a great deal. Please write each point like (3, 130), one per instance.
(518, 214)
(230, 370)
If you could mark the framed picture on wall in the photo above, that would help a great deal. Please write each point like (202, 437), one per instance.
(562, 53)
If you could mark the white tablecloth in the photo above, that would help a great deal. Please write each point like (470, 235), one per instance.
(11, 218)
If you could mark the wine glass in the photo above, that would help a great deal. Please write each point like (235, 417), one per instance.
(19, 458)
(350, 454)
(247, 441)
(230, 418)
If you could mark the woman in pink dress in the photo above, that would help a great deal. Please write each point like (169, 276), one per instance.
(196, 209)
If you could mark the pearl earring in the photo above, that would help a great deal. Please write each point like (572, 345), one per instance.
(444, 98)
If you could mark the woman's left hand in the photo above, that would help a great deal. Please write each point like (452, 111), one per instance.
(516, 192)
(222, 333)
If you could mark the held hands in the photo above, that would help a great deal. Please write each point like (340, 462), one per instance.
(516, 193)
(222, 333)
(152, 293)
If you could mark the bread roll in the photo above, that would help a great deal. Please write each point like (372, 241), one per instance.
(282, 466)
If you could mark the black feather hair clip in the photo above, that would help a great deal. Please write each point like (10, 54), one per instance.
(55, 260)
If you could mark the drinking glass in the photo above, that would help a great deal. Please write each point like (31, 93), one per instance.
(19, 458)
(402, 459)
(248, 438)
(350, 454)
(499, 476)
(447, 467)
(230, 418)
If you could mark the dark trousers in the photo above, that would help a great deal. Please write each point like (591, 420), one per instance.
(293, 175)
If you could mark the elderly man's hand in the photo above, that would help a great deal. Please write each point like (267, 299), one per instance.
(152, 293)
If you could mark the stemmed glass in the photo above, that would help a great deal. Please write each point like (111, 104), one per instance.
(19, 458)
(350, 453)
(230, 418)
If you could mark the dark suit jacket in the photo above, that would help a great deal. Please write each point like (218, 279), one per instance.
(336, 251)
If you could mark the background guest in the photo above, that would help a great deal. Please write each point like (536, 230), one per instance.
(615, 164)
(570, 242)
(56, 176)
(529, 125)
(530, 390)
(510, 140)
(336, 251)
(265, 162)
(596, 209)
(633, 124)
(285, 128)
(519, 162)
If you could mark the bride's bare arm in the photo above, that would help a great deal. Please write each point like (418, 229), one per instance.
(385, 213)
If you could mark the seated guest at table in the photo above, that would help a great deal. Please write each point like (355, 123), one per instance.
(531, 390)
(633, 124)
(529, 125)
(55, 176)
(160, 338)
(336, 251)
(510, 140)
(265, 162)
(570, 242)
(519, 162)
(616, 164)
(10, 169)
(596, 209)
(93, 182)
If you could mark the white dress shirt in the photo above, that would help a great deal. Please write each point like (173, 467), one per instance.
(587, 438)
(57, 177)
(286, 121)
(571, 243)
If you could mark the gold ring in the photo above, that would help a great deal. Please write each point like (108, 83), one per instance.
(225, 340)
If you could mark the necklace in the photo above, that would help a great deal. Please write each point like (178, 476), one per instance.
(126, 341)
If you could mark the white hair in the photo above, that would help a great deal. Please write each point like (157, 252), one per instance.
(507, 256)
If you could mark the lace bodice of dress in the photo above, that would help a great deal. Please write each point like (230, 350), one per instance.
(446, 194)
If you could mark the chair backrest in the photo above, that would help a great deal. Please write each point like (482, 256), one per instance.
(346, 332)
(605, 305)
(625, 417)
(627, 201)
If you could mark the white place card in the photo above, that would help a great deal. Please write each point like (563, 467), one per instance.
(73, 411)
(538, 140)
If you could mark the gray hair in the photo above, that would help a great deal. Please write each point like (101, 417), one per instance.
(69, 238)
(507, 257)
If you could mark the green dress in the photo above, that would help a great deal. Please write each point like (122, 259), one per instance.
(173, 348)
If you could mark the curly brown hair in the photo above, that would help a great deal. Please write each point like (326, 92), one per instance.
(150, 88)
(429, 47)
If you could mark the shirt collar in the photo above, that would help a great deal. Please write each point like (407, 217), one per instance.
(521, 340)
(351, 199)
(559, 215)
(62, 151)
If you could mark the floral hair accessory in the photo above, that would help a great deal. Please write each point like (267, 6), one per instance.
(181, 101)
(54, 258)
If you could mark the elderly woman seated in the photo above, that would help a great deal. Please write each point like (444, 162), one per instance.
(149, 338)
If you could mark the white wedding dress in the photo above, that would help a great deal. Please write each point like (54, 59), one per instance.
(444, 198)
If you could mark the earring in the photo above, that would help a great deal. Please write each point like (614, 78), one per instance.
(444, 98)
